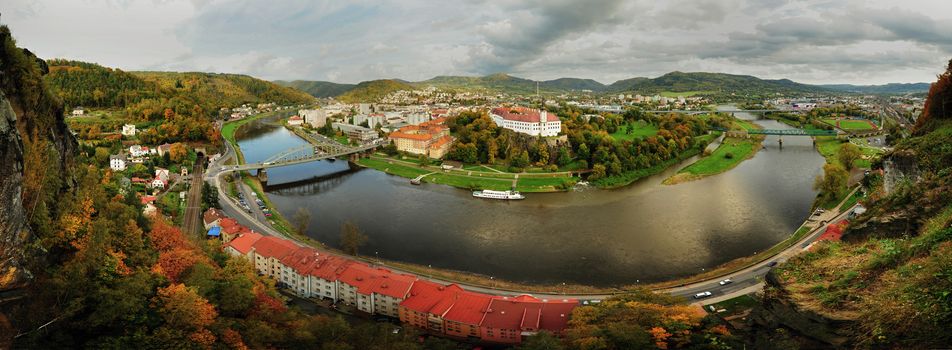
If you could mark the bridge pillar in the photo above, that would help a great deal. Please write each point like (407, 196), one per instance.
(780, 141)
(263, 176)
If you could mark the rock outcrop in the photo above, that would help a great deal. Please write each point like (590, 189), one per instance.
(814, 330)
(13, 227)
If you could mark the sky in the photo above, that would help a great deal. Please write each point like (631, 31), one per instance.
(816, 42)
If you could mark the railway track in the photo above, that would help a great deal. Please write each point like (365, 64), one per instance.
(192, 222)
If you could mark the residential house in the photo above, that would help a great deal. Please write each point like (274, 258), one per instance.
(325, 274)
(138, 150)
(78, 111)
(295, 120)
(162, 173)
(426, 305)
(509, 319)
(212, 217)
(294, 268)
(117, 162)
(128, 130)
(463, 319)
(158, 183)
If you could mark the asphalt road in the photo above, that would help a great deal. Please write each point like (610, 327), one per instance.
(745, 281)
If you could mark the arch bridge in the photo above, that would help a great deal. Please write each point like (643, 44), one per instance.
(318, 149)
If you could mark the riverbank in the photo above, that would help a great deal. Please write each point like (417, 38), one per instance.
(411, 168)
(625, 179)
(729, 154)
(230, 128)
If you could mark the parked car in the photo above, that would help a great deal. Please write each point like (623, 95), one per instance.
(772, 263)
(725, 282)
(702, 295)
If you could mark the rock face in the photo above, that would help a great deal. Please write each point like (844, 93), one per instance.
(815, 330)
(13, 228)
(29, 115)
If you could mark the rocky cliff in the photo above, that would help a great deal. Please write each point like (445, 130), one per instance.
(36, 151)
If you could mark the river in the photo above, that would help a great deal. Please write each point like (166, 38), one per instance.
(644, 232)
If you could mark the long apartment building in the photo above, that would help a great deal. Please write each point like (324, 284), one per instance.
(435, 308)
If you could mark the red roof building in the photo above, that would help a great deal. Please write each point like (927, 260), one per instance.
(242, 245)
(268, 252)
(212, 217)
(508, 319)
(526, 120)
(374, 290)
(462, 320)
(426, 304)
(834, 232)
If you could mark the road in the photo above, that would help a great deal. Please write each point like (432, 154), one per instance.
(745, 281)
(192, 222)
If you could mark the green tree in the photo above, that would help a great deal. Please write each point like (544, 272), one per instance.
(543, 154)
(351, 238)
(563, 157)
(583, 152)
(598, 172)
(541, 341)
(832, 182)
(848, 154)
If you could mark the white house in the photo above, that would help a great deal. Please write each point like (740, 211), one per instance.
(78, 111)
(527, 121)
(138, 151)
(129, 130)
(161, 173)
(117, 162)
(295, 120)
(158, 183)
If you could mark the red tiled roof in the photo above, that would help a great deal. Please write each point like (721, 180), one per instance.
(556, 313)
(329, 268)
(243, 243)
(212, 214)
(520, 114)
(468, 308)
(429, 297)
(274, 247)
(147, 199)
(834, 231)
(527, 312)
(295, 117)
(301, 260)
(229, 225)
(380, 281)
(442, 141)
(402, 135)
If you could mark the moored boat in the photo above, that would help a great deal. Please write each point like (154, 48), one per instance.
(490, 194)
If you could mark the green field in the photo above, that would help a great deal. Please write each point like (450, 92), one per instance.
(642, 130)
(470, 179)
(747, 125)
(829, 146)
(728, 155)
(850, 125)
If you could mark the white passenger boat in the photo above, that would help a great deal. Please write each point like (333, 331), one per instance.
(498, 194)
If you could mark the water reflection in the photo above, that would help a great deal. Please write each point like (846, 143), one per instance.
(646, 231)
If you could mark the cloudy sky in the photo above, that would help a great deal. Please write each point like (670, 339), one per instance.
(862, 42)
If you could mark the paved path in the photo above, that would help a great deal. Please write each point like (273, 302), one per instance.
(745, 281)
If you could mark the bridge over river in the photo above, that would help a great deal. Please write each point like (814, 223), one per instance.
(320, 148)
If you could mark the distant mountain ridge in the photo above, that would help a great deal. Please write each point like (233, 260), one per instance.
(689, 83)
(892, 88)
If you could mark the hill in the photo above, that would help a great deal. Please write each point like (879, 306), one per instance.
(91, 85)
(567, 84)
(887, 89)
(716, 83)
(317, 88)
(373, 90)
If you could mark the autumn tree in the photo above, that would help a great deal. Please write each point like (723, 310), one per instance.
(832, 182)
(177, 152)
(186, 313)
(939, 103)
(848, 154)
(351, 238)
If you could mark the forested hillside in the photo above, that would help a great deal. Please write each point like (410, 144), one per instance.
(373, 90)
(318, 88)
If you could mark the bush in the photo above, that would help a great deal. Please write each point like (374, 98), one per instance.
(514, 169)
(729, 155)
(552, 168)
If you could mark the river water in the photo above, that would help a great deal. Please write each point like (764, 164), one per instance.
(644, 232)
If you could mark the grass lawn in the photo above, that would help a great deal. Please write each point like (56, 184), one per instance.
(642, 130)
(849, 125)
(398, 169)
(719, 161)
(466, 182)
(746, 124)
(735, 305)
(851, 201)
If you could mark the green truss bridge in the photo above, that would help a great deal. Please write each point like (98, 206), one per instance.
(787, 132)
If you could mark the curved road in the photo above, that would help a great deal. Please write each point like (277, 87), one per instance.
(745, 281)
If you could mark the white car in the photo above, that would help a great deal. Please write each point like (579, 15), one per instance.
(725, 282)
(702, 295)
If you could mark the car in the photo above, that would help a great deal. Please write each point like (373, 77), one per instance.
(725, 282)
(772, 263)
(702, 295)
